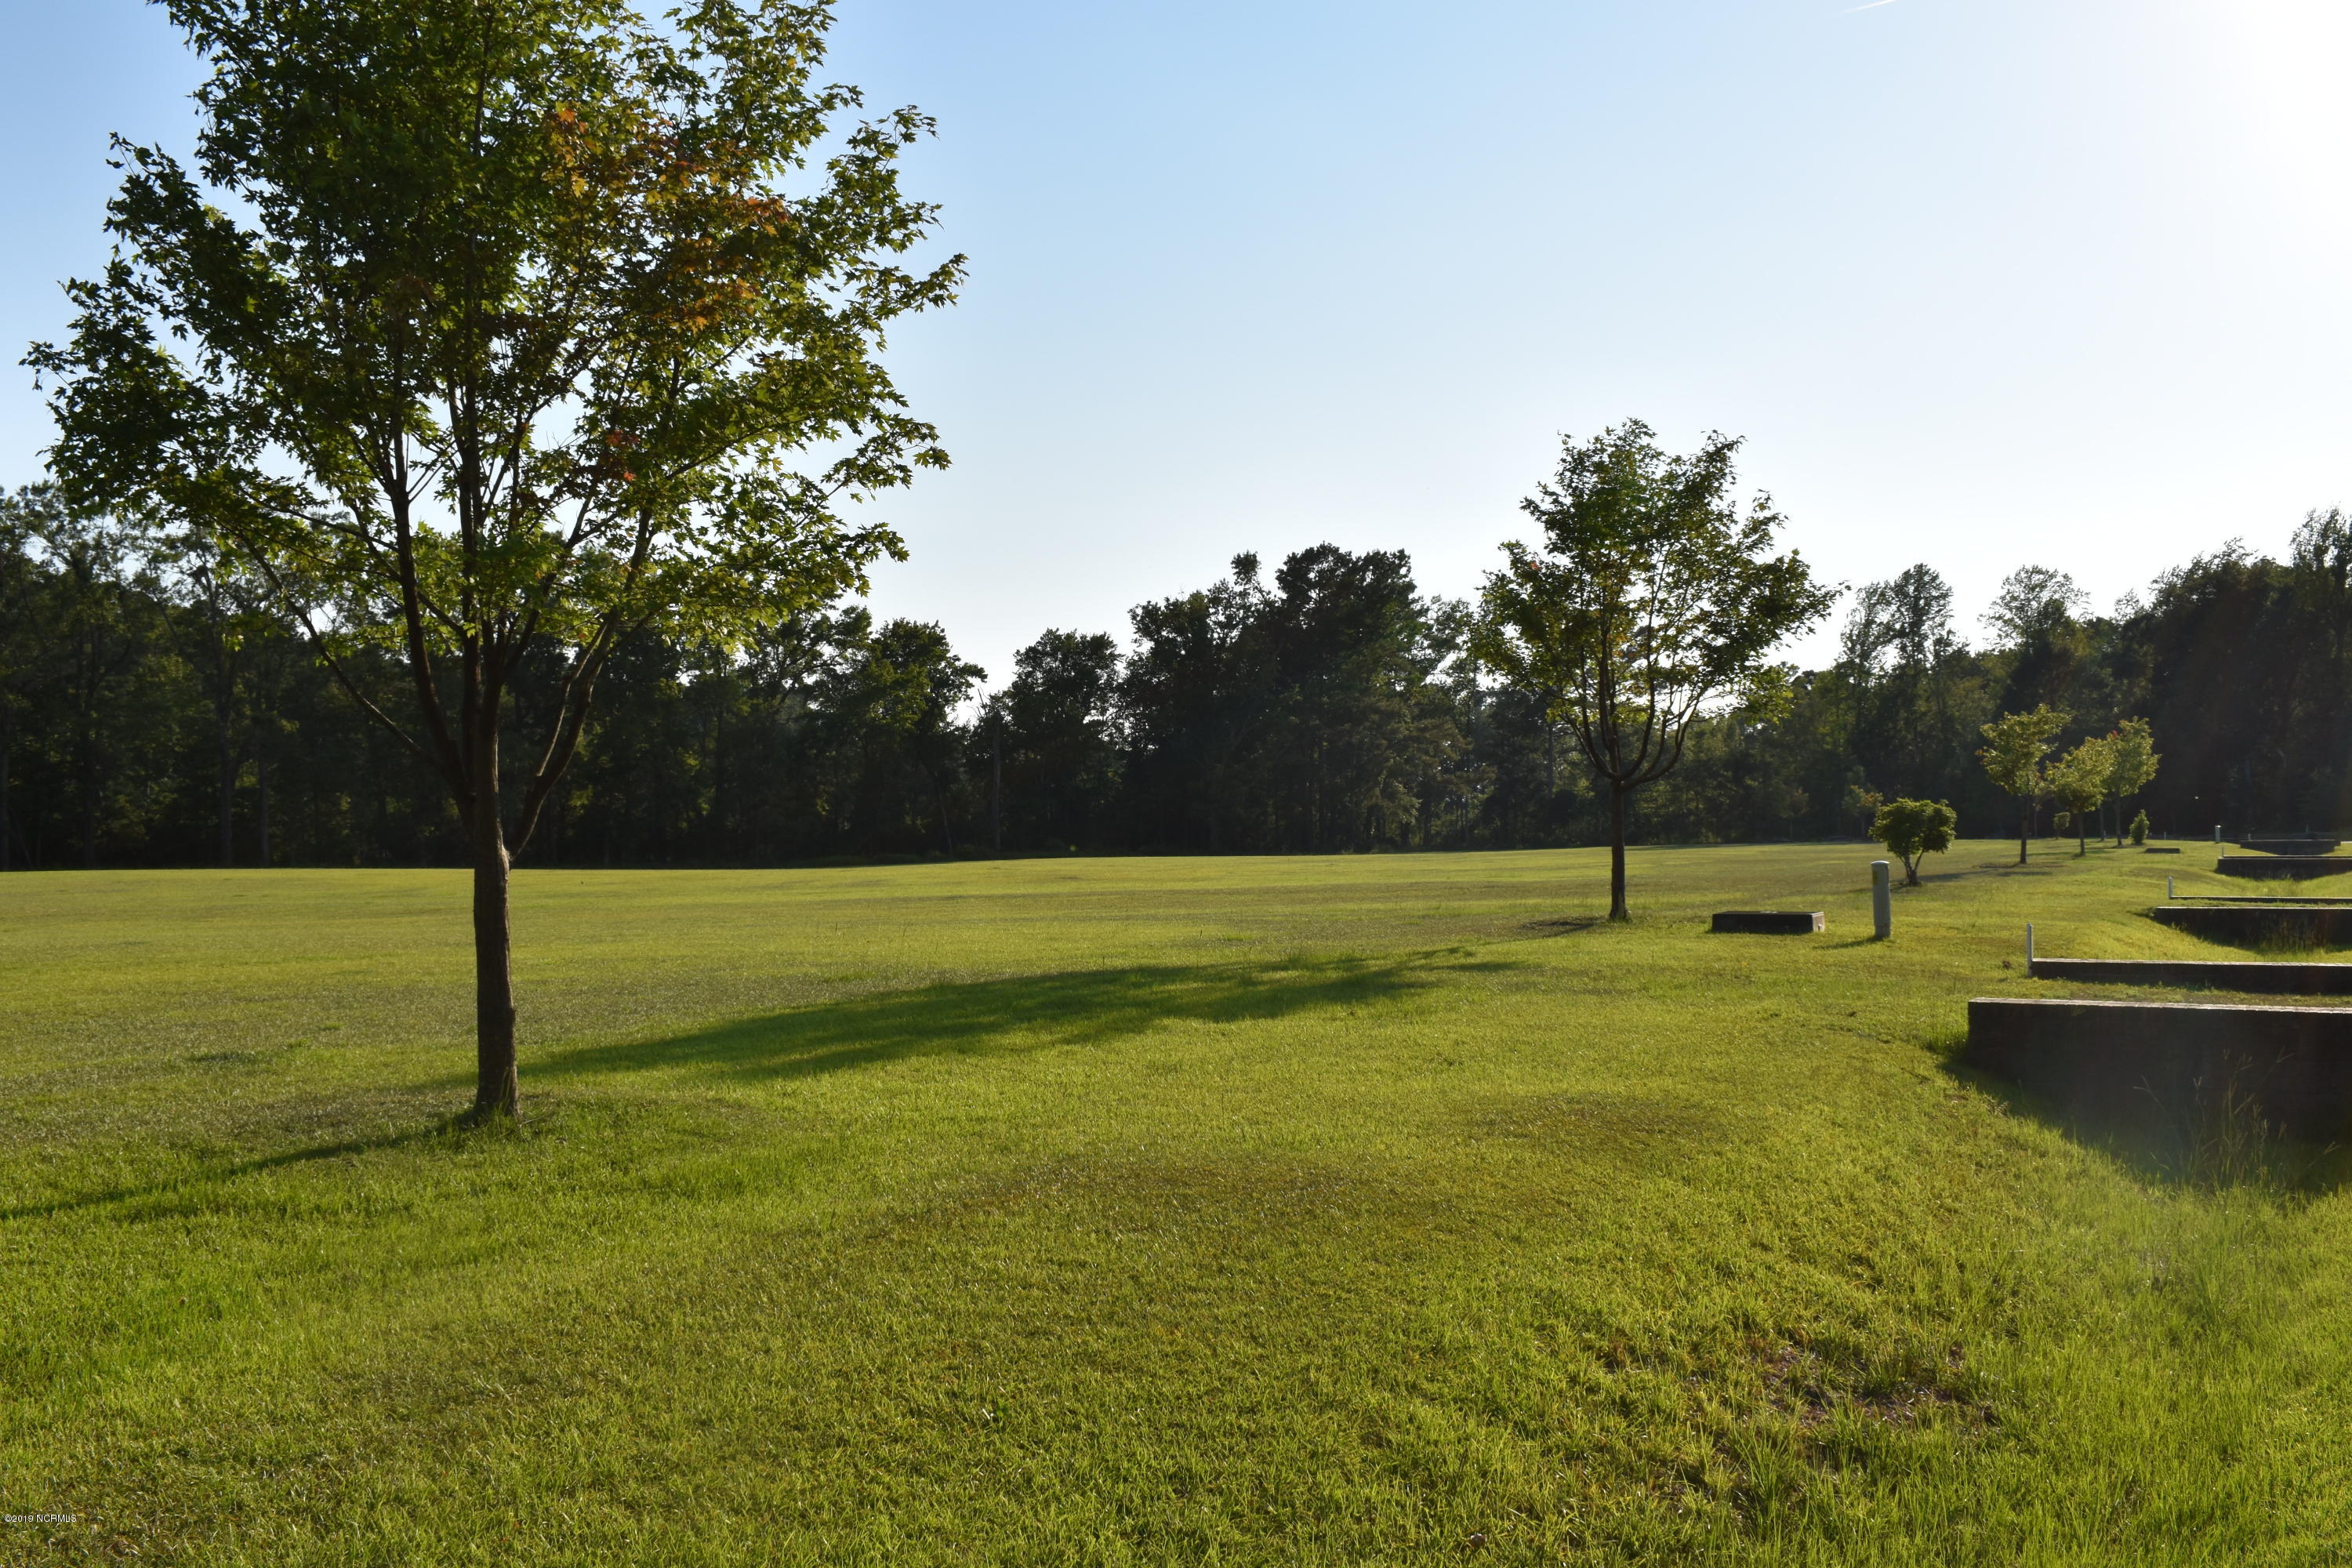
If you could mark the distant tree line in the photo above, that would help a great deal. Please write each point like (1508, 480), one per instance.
(156, 709)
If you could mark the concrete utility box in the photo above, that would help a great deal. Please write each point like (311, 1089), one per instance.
(1771, 922)
(2260, 925)
(2275, 867)
(2173, 1064)
(2281, 844)
(2166, 849)
(2271, 979)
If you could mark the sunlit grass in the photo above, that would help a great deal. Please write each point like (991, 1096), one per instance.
(1343, 1210)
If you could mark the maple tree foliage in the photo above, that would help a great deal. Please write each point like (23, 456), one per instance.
(479, 326)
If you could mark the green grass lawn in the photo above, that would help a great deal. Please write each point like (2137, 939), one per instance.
(1314, 1210)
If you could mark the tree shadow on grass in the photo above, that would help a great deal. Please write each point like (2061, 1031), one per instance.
(1564, 925)
(1020, 1013)
(175, 1192)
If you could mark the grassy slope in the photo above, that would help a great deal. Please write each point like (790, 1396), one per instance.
(1283, 1210)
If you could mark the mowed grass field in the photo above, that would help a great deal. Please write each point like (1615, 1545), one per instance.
(1361, 1210)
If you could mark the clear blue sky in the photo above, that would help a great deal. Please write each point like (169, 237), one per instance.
(1983, 281)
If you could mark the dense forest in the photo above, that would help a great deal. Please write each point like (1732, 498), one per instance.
(159, 710)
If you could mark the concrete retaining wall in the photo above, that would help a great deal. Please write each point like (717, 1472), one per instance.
(2280, 845)
(2279, 979)
(2312, 898)
(2262, 925)
(2173, 1064)
(2275, 865)
(1771, 922)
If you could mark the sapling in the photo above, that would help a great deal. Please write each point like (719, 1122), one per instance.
(2018, 744)
(2079, 779)
(2132, 761)
(1913, 829)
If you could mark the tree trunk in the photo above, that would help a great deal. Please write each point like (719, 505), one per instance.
(939, 794)
(89, 816)
(2025, 828)
(227, 792)
(1617, 909)
(494, 1013)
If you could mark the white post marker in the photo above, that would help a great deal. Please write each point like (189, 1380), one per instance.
(1882, 898)
(2169, 894)
(2028, 947)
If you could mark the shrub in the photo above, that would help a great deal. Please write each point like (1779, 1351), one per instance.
(2140, 829)
(1912, 828)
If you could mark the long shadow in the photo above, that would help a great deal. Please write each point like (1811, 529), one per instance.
(440, 1129)
(1019, 1014)
(1565, 925)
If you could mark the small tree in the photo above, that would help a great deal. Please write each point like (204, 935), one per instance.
(2017, 744)
(1913, 829)
(493, 331)
(2140, 829)
(1652, 599)
(2132, 764)
(1861, 803)
(2079, 779)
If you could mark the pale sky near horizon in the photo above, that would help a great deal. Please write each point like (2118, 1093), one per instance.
(1983, 282)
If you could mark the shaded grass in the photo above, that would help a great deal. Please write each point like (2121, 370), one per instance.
(1298, 1211)
(1030, 1012)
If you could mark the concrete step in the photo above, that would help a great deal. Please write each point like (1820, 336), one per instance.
(2283, 866)
(2282, 979)
(2177, 1066)
(2262, 925)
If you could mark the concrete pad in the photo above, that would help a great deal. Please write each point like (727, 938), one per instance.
(1771, 922)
